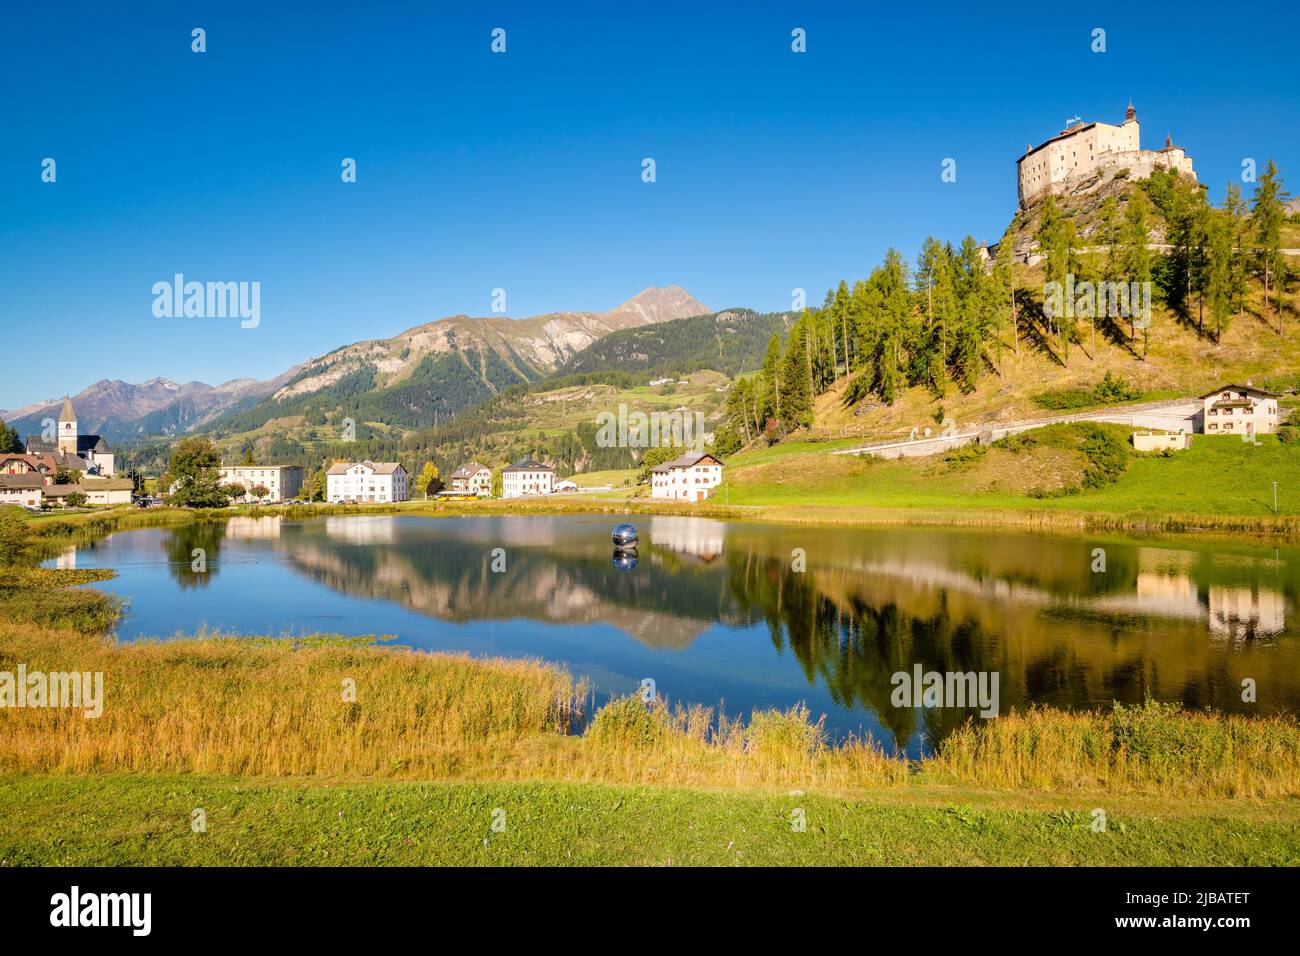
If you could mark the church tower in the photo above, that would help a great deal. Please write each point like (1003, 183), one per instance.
(67, 428)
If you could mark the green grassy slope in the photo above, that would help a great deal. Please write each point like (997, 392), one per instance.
(1216, 476)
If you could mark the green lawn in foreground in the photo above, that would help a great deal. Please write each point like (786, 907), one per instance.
(1215, 476)
(114, 820)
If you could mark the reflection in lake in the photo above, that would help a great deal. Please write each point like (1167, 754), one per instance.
(722, 612)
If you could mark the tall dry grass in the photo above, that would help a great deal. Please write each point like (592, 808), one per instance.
(276, 707)
(1155, 748)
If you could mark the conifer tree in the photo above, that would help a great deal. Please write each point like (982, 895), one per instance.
(770, 398)
(796, 375)
(1236, 209)
(1135, 257)
(1266, 216)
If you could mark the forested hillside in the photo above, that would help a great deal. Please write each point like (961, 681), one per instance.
(732, 341)
(1219, 289)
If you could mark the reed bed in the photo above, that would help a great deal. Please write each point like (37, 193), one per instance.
(1155, 748)
(277, 707)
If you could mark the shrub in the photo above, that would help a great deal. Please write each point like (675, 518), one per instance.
(13, 535)
(1111, 389)
(1107, 456)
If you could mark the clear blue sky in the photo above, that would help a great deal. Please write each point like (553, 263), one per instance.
(522, 170)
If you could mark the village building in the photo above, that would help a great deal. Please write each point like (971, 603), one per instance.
(25, 490)
(1239, 410)
(472, 479)
(568, 484)
(90, 450)
(46, 465)
(107, 491)
(366, 481)
(527, 477)
(282, 482)
(690, 477)
(98, 491)
(1083, 155)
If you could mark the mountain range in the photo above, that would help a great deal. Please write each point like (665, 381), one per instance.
(159, 407)
(436, 368)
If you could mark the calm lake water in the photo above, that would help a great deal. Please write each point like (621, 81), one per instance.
(714, 613)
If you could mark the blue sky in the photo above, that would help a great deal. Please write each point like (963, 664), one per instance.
(522, 170)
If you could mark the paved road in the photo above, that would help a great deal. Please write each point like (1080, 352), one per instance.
(1170, 415)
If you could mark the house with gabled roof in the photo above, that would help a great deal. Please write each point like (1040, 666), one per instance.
(1239, 410)
(527, 477)
(689, 477)
(366, 481)
(472, 478)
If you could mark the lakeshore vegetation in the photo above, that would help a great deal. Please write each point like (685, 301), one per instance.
(336, 750)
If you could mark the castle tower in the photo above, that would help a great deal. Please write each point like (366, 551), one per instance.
(67, 428)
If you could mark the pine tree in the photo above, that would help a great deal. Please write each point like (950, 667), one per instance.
(1057, 239)
(796, 376)
(972, 324)
(895, 310)
(1266, 216)
(770, 397)
(1002, 294)
(1218, 285)
(1135, 257)
(839, 315)
(1236, 209)
(929, 356)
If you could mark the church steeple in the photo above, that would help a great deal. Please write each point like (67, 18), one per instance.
(67, 427)
(1130, 114)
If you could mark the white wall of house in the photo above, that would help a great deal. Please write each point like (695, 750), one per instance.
(1239, 411)
(479, 483)
(107, 496)
(691, 483)
(532, 481)
(282, 481)
(361, 482)
(27, 497)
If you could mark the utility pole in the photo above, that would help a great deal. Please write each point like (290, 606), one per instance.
(1275, 497)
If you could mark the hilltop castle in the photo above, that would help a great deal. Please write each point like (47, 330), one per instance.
(1077, 158)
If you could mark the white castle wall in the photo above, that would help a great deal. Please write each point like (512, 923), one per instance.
(1068, 162)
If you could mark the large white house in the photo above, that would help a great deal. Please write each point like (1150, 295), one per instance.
(527, 477)
(366, 481)
(282, 482)
(690, 477)
(1239, 410)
